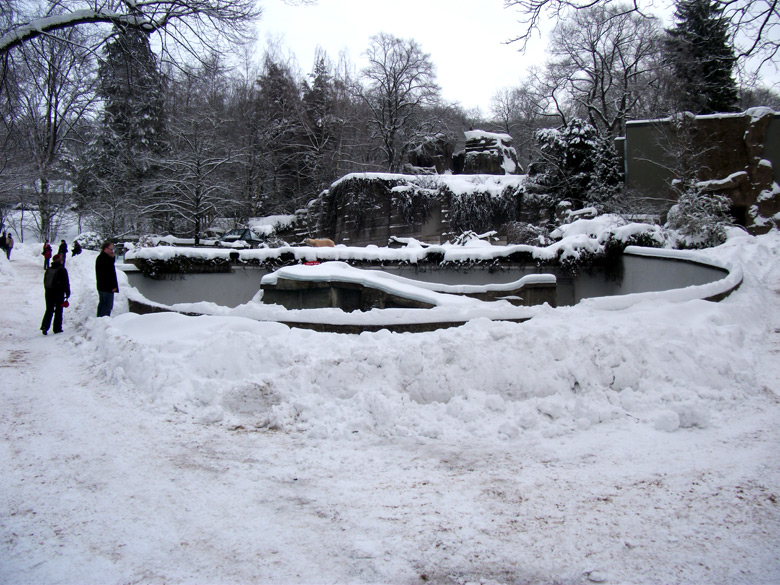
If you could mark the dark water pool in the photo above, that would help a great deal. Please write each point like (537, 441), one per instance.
(634, 274)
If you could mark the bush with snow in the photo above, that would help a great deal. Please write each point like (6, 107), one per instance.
(519, 232)
(603, 238)
(700, 219)
(90, 240)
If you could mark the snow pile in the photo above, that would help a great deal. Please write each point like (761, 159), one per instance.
(635, 445)
(753, 113)
(460, 185)
(436, 294)
(566, 369)
(553, 376)
(759, 112)
(604, 227)
(6, 268)
(272, 224)
(489, 138)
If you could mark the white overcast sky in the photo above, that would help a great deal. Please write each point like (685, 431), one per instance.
(465, 38)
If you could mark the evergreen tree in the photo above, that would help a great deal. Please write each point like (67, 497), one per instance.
(132, 87)
(318, 99)
(323, 129)
(574, 164)
(280, 140)
(131, 135)
(702, 57)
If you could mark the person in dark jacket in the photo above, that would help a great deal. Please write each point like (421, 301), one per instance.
(76, 248)
(56, 286)
(105, 277)
(63, 251)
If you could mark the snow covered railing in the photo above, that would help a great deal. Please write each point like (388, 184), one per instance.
(571, 247)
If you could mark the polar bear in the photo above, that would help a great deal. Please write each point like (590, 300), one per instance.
(320, 242)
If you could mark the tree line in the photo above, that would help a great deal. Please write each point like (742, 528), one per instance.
(136, 127)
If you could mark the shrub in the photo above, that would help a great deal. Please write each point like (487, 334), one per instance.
(699, 218)
(90, 241)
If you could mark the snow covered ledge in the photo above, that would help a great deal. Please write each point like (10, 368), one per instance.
(713, 291)
(339, 285)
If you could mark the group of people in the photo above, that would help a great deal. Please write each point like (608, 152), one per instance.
(62, 251)
(6, 244)
(56, 283)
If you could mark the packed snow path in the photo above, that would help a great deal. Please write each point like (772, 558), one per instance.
(327, 461)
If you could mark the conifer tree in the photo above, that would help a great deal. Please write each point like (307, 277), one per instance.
(279, 114)
(575, 164)
(131, 85)
(131, 134)
(322, 128)
(702, 56)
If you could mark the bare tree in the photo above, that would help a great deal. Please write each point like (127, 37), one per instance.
(58, 94)
(755, 24)
(605, 61)
(355, 147)
(193, 178)
(10, 104)
(244, 127)
(193, 182)
(518, 111)
(400, 81)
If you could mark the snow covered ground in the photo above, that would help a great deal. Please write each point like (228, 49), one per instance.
(586, 445)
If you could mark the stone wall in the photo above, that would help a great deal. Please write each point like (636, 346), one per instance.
(369, 208)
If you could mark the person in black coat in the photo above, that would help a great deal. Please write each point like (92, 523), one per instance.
(57, 290)
(63, 251)
(105, 278)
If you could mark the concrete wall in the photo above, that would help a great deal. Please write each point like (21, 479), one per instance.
(656, 151)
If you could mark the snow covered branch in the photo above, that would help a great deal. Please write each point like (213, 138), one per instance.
(228, 17)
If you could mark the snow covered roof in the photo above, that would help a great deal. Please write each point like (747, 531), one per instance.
(758, 112)
(483, 135)
(458, 184)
